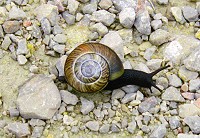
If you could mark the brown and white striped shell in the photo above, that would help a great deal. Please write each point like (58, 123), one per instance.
(90, 66)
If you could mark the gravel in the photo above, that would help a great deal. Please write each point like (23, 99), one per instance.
(69, 18)
(174, 122)
(117, 94)
(186, 110)
(177, 13)
(174, 80)
(194, 85)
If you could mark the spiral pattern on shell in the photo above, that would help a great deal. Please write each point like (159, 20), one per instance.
(90, 66)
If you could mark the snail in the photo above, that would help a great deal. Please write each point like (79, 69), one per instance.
(92, 67)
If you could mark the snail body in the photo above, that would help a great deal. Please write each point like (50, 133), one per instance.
(92, 67)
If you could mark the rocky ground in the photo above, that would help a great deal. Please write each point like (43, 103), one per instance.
(37, 35)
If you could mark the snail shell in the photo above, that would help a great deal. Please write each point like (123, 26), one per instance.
(90, 66)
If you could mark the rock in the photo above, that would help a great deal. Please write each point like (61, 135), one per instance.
(68, 97)
(186, 75)
(97, 112)
(162, 2)
(188, 95)
(103, 16)
(174, 80)
(37, 132)
(104, 128)
(14, 112)
(174, 122)
(22, 47)
(122, 4)
(128, 97)
(149, 52)
(115, 42)
(192, 62)
(198, 7)
(21, 59)
(162, 81)
(197, 35)
(92, 125)
(6, 43)
(177, 13)
(60, 65)
(79, 16)
(69, 18)
(75, 129)
(46, 26)
(127, 17)
(47, 10)
(57, 29)
(186, 110)
(36, 32)
(93, 36)
(59, 48)
(159, 36)
(131, 126)
(68, 120)
(130, 88)
(114, 128)
(185, 87)
(154, 64)
(100, 28)
(142, 22)
(159, 132)
(1, 31)
(34, 69)
(194, 123)
(11, 26)
(36, 122)
(43, 90)
(156, 24)
(87, 106)
(19, 129)
(72, 6)
(89, 8)
(105, 4)
(181, 135)
(172, 94)
(147, 104)
(190, 14)
(60, 38)
(117, 94)
(194, 85)
(16, 13)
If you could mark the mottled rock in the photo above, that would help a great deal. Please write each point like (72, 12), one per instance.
(46, 26)
(87, 106)
(147, 104)
(118, 94)
(194, 123)
(68, 97)
(36, 32)
(22, 47)
(127, 17)
(19, 129)
(172, 94)
(72, 6)
(154, 64)
(114, 128)
(130, 88)
(89, 8)
(57, 29)
(174, 80)
(104, 128)
(159, 37)
(69, 18)
(92, 125)
(105, 4)
(38, 90)
(11, 26)
(174, 122)
(177, 13)
(100, 28)
(159, 132)
(186, 110)
(16, 13)
(14, 112)
(190, 13)
(149, 52)
(187, 75)
(6, 43)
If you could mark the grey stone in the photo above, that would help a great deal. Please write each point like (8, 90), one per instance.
(103, 16)
(14, 112)
(92, 125)
(145, 129)
(21, 59)
(177, 13)
(16, 13)
(89, 8)
(57, 29)
(114, 128)
(36, 122)
(60, 38)
(11, 26)
(104, 128)
(37, 132)
(154, 64)
(72, 6)
(131, 127)
(75, 129)
(172, 94)
(36, 32)
(97, 112)
(100, 28)
(6, 43)
(159, 132)
(147, 104)
(192, 62)
(149, 52)
(142, 22)
(79, 16)
(105, 4)
(106, 105)
(46, 26)
(59, 48)
(159, 37)
(174, 80)
(117, 94)
(194, 123)
(127, 17)
(68, 120)
(190, 13)
(22, 47)
(38, 90)
(68, 97)
(124, 123)
(93, 36)
(2, 123)
(60, 65)
(128, 97)
(186, 110)
(19, 129)
(186, 75)
(130, 88)
(111, 113)
(87, 106)
(34, 69)
(194, 85)
(181, 135)
(162, 81)
(1, 31)
(162, 2)
(121, 4)
(69, 18)
(139, 96)
(156, 24)
(158, 16)
(174, 122)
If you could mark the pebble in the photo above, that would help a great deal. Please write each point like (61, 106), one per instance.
(60, 65)
(159, 36)
(14, 112)
(154, 64)
(21, 59)
(89, 8)
(74, 129)
(104, 128)
(190, 14)
(68, 97)
(100, 28)
(111, 113)
(162, 2)
(59, 48)
(172, 94)
(130, 88)
(121, 4)
(187, 75)
(11, 27)
(19, 129)
(22, 47)
(36, 122)
(105, 4)
(127, 17)
(132, 126)
(60, 38)
(198, 7)
(42, 89)
(174, 80)
(6, 43)
(79, 16)
(149, 52)
(69, 18)
(93, 36)
(67, 120)
(186, 110)
(2, 124)
(147, 104)
(57, 29)
(36, 32)
(73, 6)
(103, 16)
(162, 81)
(181, 135)
(114, 128)
(92, 125)
(159, 132)
(37, 132)
(128, 97)
(188, 95)
(34, 69)
(194, 123)
(178, 15)
(145, 129)
(87, 106)
(174, 122)
(46, 26)
(139, 96)
(84, 1)
(156, 24)
(16, 14)
(185, 87)
(117, 94)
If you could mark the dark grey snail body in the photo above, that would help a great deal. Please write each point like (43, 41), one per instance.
(92, 67)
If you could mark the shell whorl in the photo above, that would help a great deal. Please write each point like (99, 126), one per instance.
(90, 66)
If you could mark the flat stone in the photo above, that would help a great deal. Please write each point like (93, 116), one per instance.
(38, 90)
(128, 97)
(68, 120)
(186, 110)
(37, 132)
(130, 88)
(68, 97)
(100, 28)
(188, 95)
(174, 122)
(149, 52)
(87, 106)
(16, 13)
(162, 2)
(194, 123)
(159, 36)
(117, 94)
(6, 43)
(156, 24)
(147, 104)
(122, 4)
(11, 26)
(190, 14)
(59, 48)
(159, 132)
(114, 128)
(132, 126)
(19, 129)
(14, 112)
(127, 17)
(36, 122)
(36, 32)
(60, 65)
(60, 38)
(89, 8)
(92, 125)
(154, 64)
(172, 94)
(174, 80)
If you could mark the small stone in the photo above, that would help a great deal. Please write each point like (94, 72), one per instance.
(111, 113)
(174, 122)
(156, 24)
(154, 64)
(22, 47)
(37, 132)
(190, 13)
(117, 94)
(174, 80)
(187, 75)
(162, 81)
(130, 88)
(57, 30)
(2, 124)
(6, 43)
(72, 6)
(11, 26)
(70, 19)
(60, 65)
(114, 128)
(162, 2)
(67, 120)
(14, 112)
(16, 13)
(194, 123)
(159, 37)
(105, 4)
(177, 13)
(93, 36)
(159, 132)
(149, 52)
(36, 122)
(36, 32)
(87, 106)
(21, 59)
(197, 102)
(34, 69)
(139, 96)
(84, 1)
(194, 85)
(68, 97)
(60, 38)
(89, 8)
(121, 4)
(147, 104)
(92, 125)
(46, 26)
(131, 127)
(104, 128)
(127, 17)
(172, 94)
(188, 95)
(145, 129)
(185, 87)
(79, 16)
(59, 48)
(128, 97)
(186, 110)
(181, 135)
(1, 31)
(100, 28)
(19, 129)
(75, 129)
